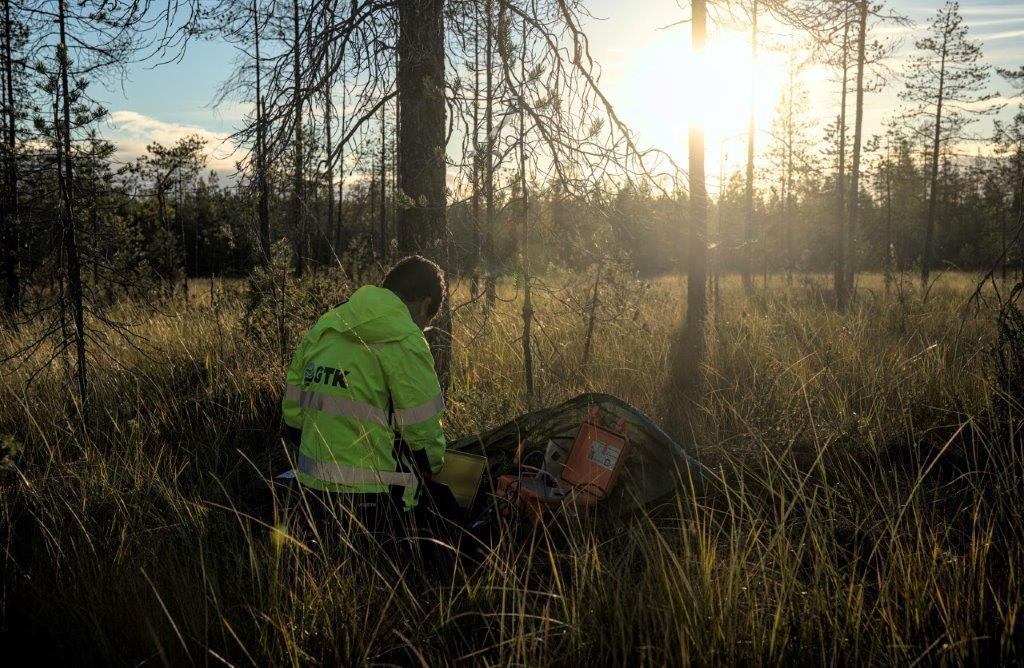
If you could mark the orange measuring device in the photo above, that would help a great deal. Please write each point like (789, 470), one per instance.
(588, 475)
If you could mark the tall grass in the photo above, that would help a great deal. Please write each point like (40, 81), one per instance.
(865, 509)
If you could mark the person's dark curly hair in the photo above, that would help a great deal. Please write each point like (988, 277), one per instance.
(416, 277)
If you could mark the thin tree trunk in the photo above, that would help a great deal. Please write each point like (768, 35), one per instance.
(764, 251)
(748, 236)
(475, 202)
(184, 245)
(383, 223)
(372, 199)
(393, 181)
(298, 194)
(592, 316)
(527, 286)
(94, 224)
(839, 280)
(688, 349)
(1002, 242)
(696, 309)
(489, 259)
(11, 218)
(263, 205)
(933, 195)
(1017, 203)
(282, 331)
(329, 169)
(787, 183)
(889, 252)
(340, 224)
(716, 257)
(858, 124)
(62, 301)
(69, 227)
(311, 195)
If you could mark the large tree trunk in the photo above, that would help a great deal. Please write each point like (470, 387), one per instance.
(421, 222)
(839, 279)
(421, 143)
(748, 236)
(858, 124)
(9, 215)
(69, 230)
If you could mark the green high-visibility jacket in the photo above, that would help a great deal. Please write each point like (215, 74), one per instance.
(363, 371)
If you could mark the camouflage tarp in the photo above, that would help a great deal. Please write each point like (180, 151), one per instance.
(655, 465)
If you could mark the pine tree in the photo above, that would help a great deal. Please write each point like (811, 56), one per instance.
(945, 83)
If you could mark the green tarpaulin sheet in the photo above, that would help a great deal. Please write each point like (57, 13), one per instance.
(655, 467)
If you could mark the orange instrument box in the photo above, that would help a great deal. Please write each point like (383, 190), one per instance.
(588, 475)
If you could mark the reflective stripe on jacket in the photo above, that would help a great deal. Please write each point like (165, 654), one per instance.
(363, 362)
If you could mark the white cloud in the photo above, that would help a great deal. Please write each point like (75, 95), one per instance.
(1002, 35)
(984, 105)
(131, 132)
(973, 10)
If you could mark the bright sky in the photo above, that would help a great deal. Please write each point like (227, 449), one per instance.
(646, 72)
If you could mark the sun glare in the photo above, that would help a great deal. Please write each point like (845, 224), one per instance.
(712, 88)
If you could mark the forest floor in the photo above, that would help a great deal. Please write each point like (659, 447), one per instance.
(868, 507)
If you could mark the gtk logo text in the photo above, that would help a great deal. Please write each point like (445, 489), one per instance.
(325, 375)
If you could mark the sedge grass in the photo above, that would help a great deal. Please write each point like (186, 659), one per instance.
(865, 510)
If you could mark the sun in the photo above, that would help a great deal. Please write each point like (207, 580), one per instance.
(713, 89)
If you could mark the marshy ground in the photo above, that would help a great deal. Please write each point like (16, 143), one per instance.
(866, 507)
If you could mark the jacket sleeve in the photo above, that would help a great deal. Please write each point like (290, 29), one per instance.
(291, 409)
(415, 396)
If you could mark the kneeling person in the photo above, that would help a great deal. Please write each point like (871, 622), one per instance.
(363, 401)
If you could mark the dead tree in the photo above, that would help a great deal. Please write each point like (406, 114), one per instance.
(69, 225)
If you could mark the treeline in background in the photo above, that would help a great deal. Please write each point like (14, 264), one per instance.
(477, 132)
